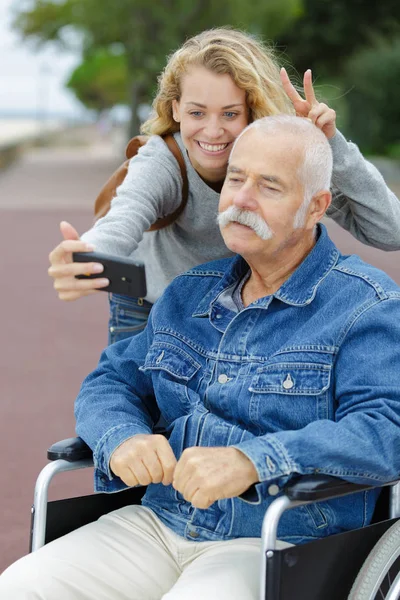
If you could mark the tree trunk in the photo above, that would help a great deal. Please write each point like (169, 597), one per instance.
(135, 95)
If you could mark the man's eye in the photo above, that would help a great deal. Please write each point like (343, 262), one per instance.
(235, 180)
(268, 188)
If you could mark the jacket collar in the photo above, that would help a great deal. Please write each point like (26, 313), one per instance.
(301, 287)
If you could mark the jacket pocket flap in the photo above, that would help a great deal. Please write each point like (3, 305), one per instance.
(172, 359)
(292, 378)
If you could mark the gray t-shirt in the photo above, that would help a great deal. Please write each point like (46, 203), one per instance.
(362, 204)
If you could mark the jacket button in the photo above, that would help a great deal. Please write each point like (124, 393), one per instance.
(288, 383)
(194, 534)
(223, 378)
(273, 490)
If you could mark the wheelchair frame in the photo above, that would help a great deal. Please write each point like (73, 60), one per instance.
(284, 573)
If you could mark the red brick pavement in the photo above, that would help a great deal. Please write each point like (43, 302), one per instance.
(48, 346)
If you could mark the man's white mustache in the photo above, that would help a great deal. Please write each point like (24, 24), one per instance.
(245, 217)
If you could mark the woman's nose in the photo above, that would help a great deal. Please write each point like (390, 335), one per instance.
(214, 129)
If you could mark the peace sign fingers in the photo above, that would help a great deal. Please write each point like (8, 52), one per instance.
(302, 106)
(308, 89)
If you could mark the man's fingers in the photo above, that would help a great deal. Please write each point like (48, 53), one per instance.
(128, 477)
(185, 469)
(141, 472)
(149, 456)
(201, 500)
(308, 88)
(154, 467)
(180, 475)
(190, 488)
(68, 232)
(169, 463)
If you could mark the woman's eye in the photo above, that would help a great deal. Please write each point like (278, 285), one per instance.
(196, 113)
(230, 114)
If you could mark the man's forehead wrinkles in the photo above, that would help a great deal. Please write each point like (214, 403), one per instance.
(270, 178)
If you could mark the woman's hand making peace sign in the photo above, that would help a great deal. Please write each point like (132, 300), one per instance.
(319, 113)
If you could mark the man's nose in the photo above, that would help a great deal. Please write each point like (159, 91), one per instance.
(244, 197)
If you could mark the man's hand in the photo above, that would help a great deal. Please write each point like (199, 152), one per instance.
(204, 475)
(319, 113)
(144, 459)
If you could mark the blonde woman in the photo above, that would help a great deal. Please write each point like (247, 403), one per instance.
(211, 88)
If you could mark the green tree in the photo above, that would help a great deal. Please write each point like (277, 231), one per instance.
(329, 31)
(372, 75)
(100, 81)
(146, 31)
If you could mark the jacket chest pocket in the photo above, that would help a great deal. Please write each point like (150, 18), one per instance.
(173, 370)
(289, 395)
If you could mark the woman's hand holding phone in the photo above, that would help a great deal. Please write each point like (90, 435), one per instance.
(63, 270)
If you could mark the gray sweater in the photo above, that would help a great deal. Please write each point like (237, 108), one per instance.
(362, 204)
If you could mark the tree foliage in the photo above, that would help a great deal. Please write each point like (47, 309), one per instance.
(100, 80)
(373, 77)
(330, 31)
(147, 32)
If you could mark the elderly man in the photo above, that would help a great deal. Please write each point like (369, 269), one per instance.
(280, 361)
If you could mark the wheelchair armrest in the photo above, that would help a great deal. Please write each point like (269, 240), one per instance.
(313, 488)
(71, 449)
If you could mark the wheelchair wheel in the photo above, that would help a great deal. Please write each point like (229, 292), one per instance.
(379, 578)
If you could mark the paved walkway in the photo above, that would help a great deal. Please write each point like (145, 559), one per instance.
(49, 346)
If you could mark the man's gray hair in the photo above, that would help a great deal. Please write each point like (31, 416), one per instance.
(315, 171)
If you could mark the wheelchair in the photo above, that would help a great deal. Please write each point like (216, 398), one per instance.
(363, 564)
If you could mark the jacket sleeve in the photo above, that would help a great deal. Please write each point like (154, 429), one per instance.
(361, 443)
(362, 203)
(116, 401)
(151, 189)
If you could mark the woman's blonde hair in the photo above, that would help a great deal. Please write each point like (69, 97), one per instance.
(251, 64)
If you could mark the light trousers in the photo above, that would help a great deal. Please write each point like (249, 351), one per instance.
(130, 554)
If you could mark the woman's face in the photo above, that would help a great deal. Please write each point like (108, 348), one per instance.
(212, 112)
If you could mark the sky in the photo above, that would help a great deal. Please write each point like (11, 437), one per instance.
(32, 81)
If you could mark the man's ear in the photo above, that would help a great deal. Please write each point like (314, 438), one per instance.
(175, 110)
(318, 207)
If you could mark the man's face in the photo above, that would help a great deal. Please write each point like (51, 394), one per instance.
(263, 180)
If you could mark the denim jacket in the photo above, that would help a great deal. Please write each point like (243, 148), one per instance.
(303, 381)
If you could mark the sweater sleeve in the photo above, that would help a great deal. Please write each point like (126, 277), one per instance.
(361, 201)
(151, 189)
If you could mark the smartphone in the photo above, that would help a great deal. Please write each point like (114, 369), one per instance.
(126, 276)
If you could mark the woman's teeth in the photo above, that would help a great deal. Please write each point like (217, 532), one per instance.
(212, 147)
